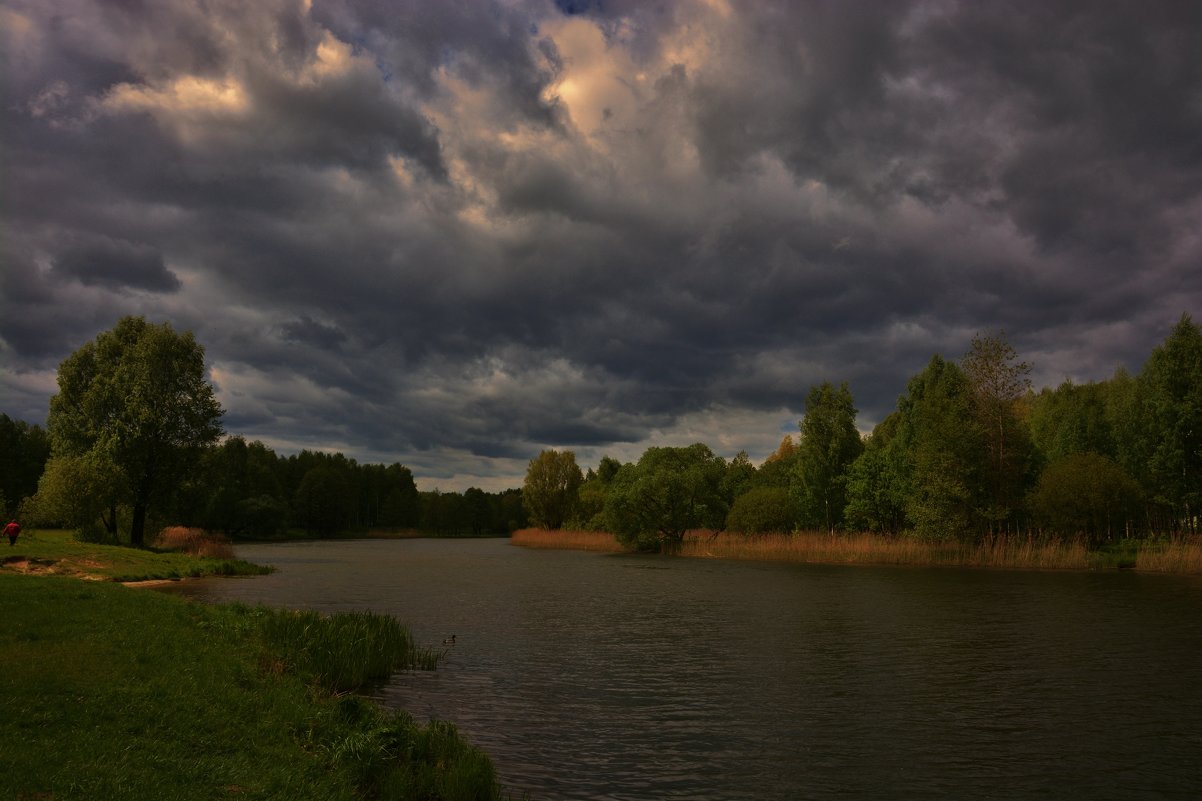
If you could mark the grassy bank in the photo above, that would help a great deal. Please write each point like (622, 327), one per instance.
(56, 552)
(870, 549)
(108, 692)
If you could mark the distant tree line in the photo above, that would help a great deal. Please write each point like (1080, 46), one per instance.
(24, 449)
(244, 489)
(133, 442)
(971, 452)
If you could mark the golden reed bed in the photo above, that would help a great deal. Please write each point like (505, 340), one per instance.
(566, 540)
(871, 549)
(194, 541)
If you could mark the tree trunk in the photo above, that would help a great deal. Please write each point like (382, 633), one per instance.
(110, 522)
(137, 529)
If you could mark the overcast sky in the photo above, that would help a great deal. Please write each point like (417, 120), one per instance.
(452, 234)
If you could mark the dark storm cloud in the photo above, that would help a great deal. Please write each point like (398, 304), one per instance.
(307, 331)
(116, 265)
(452, 234)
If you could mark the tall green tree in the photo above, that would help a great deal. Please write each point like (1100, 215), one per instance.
(1070, 419)
(998, 381)
(1169, 390)
(82, 492)
(877, 482)
(1125, 419)
(940, 441)
(401, 507)
(550, 490)
(607, 468)
(778, 469)
(740, 476)
(476, 512)
(137, 397)
(651, 504)
(509, 513)
(323, 502)
(24, 449)
(830, 442)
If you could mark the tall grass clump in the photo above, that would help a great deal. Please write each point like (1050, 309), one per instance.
(346, 651)
(394, 757)
(1173, 556)
(1016, 552)
(193, 541)
(863, 548)
(567, 540)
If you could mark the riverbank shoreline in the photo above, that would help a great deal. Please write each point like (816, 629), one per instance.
(117, 694)
(1015, 553)
(107, 693)
(56, 552)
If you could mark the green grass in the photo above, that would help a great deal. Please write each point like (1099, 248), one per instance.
(58, 552)
(108, 692)
(346, 651)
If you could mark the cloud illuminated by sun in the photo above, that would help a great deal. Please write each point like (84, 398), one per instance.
(188, 94)
(599, 86)
(333, 57)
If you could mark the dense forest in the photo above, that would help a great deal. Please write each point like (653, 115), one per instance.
(971, 451)
(245, 489)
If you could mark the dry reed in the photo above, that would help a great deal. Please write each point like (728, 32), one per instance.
(1014, 552)
(1175, 556)
(194, 541)
(871, 549)
(1183, 556)
(567, 540)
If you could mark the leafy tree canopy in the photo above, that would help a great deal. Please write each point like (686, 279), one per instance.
(830, 442)
(1169, 392)
(1084, 493)
(877, 486)
(550, 489)
(136, 398)
(998, 381)
(24, 449)
(941, 452)
(653, 503)
(763, 510)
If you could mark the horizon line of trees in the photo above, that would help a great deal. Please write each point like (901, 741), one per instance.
(244, 489)
(970, 452)
(133, 442)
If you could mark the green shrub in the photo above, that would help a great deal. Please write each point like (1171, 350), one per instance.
(346, 651)
(1084, 493)
(763, 510)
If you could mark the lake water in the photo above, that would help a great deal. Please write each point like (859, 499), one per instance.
(588, 676)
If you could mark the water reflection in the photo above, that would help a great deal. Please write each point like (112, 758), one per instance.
(625, 677)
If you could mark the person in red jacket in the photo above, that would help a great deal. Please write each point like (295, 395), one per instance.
(11, 531)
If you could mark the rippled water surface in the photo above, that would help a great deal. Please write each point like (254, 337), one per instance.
(591, 676)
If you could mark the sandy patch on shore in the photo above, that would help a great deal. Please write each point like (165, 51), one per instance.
(42, 567)
(149, 582)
